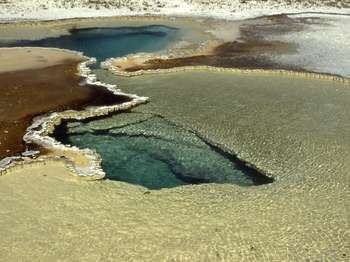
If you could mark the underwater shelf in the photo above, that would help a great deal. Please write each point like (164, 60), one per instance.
(149, 150)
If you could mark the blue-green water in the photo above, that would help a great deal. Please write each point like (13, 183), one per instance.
(140, 148)
(103, 43)
(149, 150)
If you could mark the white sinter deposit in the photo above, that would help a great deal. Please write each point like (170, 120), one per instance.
(38, 132)
(17, 10)
(321, 47)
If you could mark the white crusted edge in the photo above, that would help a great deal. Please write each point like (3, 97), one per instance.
(38, 132)
(108, 65)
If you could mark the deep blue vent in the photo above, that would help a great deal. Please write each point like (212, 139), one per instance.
(151, 151)
(103, 43)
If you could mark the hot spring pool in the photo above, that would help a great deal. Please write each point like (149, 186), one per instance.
(148, 150)
(106, 42)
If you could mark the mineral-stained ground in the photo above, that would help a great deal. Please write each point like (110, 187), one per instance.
(29, 92)
(292, 128)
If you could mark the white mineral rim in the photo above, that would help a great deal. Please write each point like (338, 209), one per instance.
(39, 131)
(108, 65)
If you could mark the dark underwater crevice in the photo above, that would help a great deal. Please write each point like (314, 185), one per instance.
(180, 176)
(257, 178)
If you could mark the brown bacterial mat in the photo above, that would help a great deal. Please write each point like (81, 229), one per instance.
(249, 55)
(28, 93)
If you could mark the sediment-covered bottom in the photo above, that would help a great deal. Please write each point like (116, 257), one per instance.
(265, 119)
(294, 128)
(148, 150)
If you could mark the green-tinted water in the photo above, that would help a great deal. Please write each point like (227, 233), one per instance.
(148, 150)
(275, 122)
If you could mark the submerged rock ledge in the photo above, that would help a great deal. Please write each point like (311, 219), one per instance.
(38, 132)
(190, 157)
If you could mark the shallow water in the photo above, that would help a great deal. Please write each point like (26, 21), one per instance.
(103, 43)
(28, 93)
(153, 152)
(295, 128)
(272, 121)
(148, 150)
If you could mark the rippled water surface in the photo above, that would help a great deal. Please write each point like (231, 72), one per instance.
(149, 150)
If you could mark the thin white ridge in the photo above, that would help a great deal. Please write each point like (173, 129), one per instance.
(40, 129)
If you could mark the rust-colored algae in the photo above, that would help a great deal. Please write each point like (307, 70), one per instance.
(245, 55)
(28, 93)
